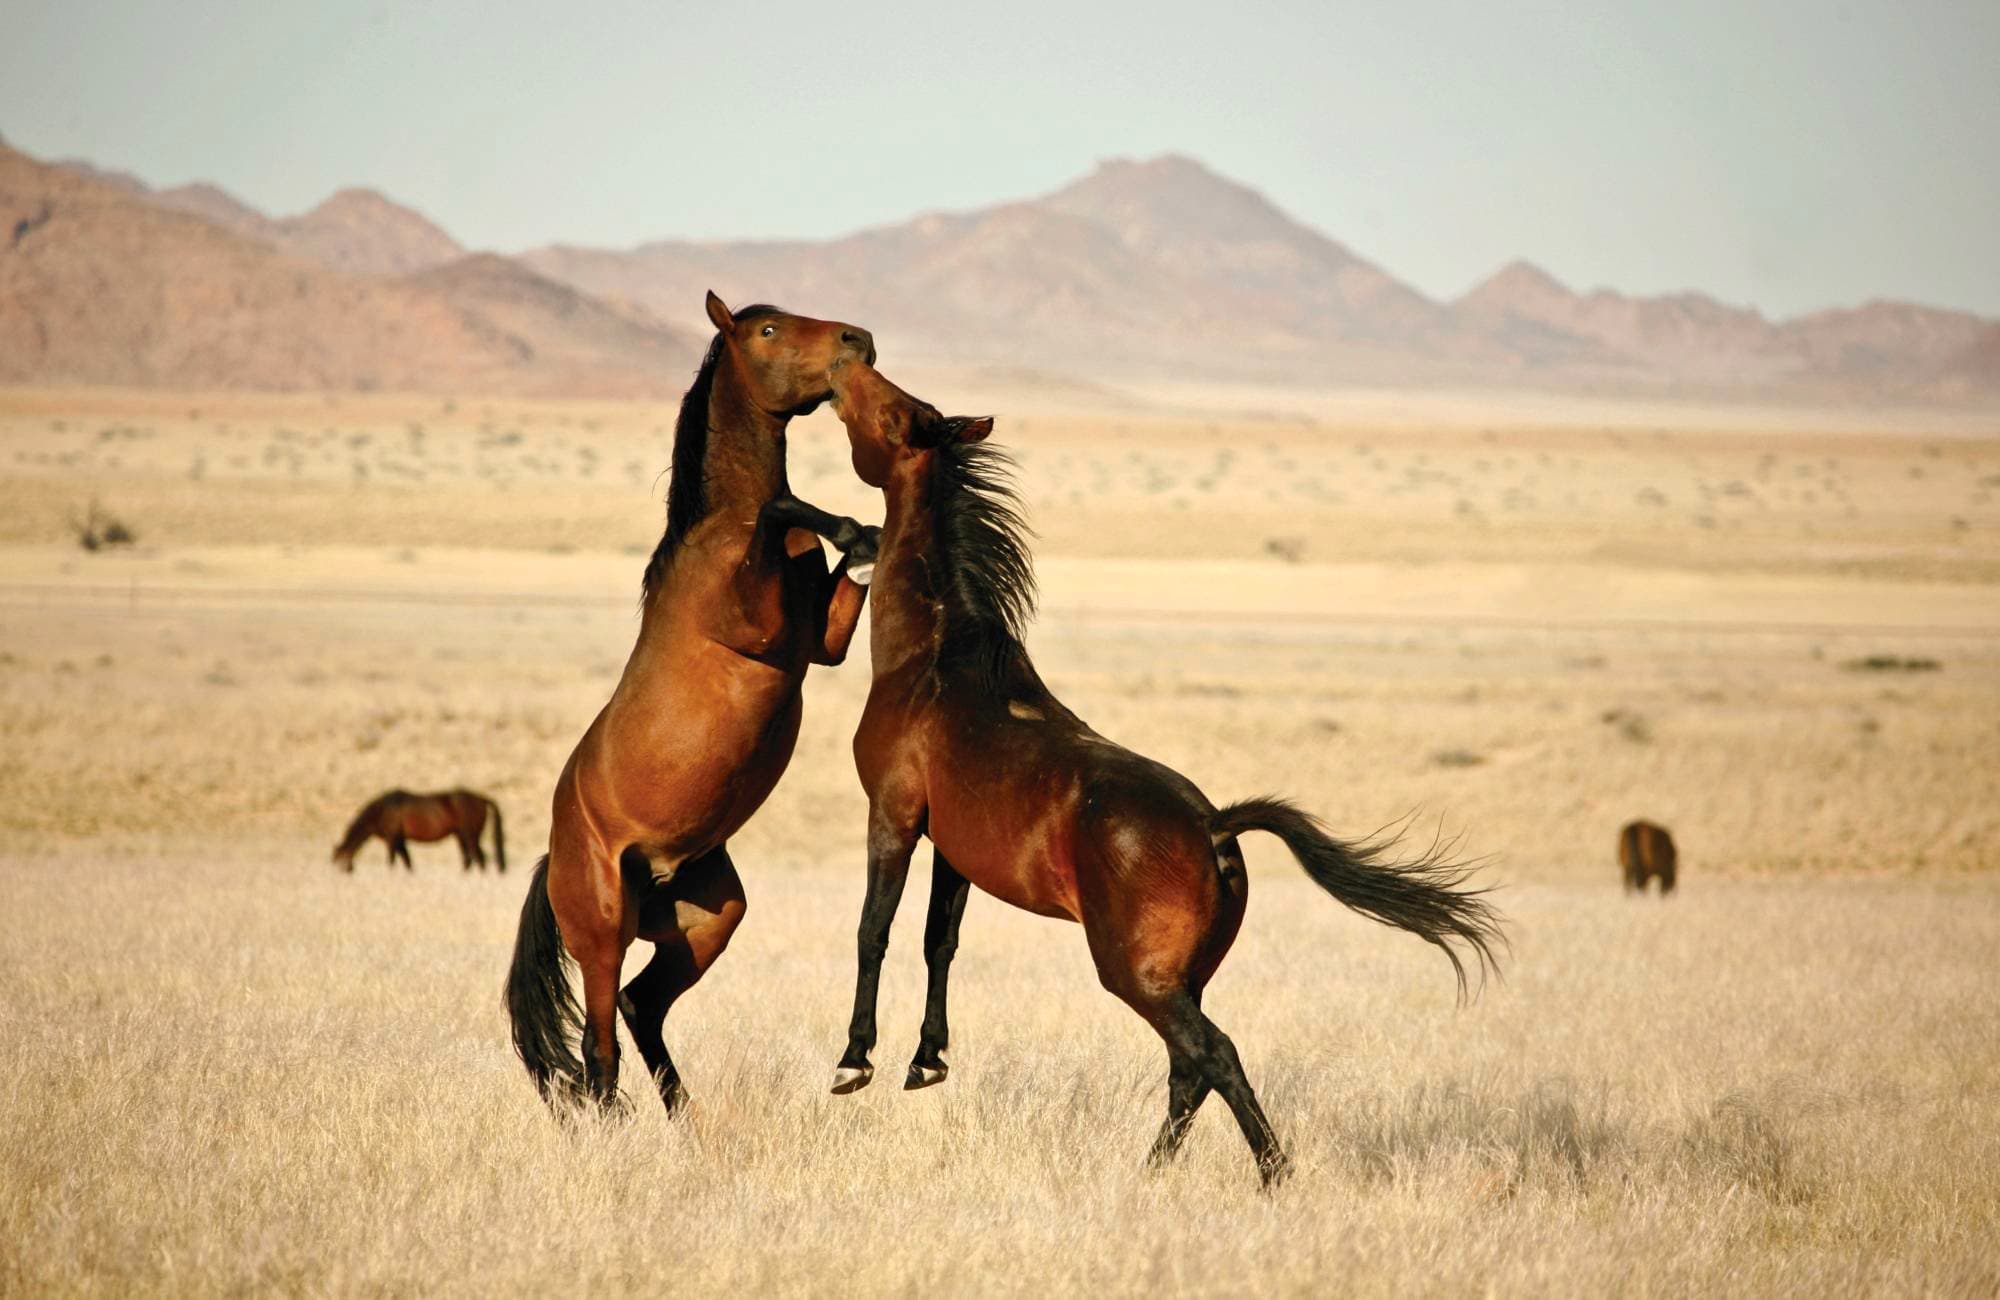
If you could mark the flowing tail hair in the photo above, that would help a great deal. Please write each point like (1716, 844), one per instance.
(1422, 896)
(540, 999)
(499, 837)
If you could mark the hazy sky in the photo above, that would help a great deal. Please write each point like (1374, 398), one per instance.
(1788, 155)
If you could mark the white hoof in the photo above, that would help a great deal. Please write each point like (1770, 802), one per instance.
(861, 574)
(851, 1078)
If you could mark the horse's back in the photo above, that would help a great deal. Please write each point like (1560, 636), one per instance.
(468, 807)
(1098, 814)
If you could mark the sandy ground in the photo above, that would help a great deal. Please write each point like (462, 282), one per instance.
(1777, 633)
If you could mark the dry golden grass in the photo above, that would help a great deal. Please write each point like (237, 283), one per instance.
(233, 1070)
(240, 1073)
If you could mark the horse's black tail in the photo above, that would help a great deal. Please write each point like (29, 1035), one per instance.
(499, 836)
(1422, 896)
(540, 1001)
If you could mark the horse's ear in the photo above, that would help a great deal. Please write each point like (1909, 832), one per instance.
(929, 429)
(719, 314)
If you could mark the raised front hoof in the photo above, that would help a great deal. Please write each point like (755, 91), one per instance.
(851, 1078)
(923, 1076)
(864, 549)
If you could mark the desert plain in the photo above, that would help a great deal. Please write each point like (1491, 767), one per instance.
(1514, 621)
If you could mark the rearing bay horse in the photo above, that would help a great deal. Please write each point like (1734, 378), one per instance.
(737, 602)
(962, 742)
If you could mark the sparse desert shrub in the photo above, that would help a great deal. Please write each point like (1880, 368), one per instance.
(97, 530)
(1891, 664)
(1630, 725)
(1289, 549)
(1457, 758)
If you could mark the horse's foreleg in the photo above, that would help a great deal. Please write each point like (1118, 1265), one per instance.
(400, 848)
(889, 849)
(850, 537)
(847, 592)
(948, 893)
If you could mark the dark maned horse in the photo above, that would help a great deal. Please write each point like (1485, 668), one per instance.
(962, 742)
(399, 817)
(1646, 852)
(737, 602)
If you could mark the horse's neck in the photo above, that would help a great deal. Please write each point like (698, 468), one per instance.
(744, 463)
(907, 594)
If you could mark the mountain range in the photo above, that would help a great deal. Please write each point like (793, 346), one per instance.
(1141, 269)
(104, 281)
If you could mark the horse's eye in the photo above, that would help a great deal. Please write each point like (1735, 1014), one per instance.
(769, 330)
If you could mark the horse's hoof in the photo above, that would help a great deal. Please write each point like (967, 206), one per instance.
(851, 1078)
(861, 574)
(1274, 1170)
(923, 1076)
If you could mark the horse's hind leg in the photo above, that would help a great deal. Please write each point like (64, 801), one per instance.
(1157, 961)
(1187, 1088)
(644, 1005)
(400, 848)
(948, 892)
(1194, 1038)
(587, 895)
(690, 920)
(600, 1024)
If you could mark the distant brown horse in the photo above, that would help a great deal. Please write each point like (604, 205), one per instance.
(737, 602)
(962, 742)
(399, 817)
(1646, 852)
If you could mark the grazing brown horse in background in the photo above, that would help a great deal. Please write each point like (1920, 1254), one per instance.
(962, 742)
(737, 602)
(399, 817)
(1646, 852)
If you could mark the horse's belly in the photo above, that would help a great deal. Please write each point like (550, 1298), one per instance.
(685, 773)
(427, 826)
(1018, 852)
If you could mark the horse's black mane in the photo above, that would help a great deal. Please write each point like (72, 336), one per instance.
(988, 587)
(687, 492)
